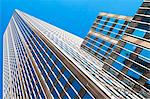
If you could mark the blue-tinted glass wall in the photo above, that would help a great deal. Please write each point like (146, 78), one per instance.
(104, 34)
(130, 61)
(60, 80)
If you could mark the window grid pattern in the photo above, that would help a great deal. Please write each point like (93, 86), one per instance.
(10, 69)
(65, 47)
(28, 73)
(51, 61)
(133, 59)
(107, 25)
(58, 78)
(14, 76)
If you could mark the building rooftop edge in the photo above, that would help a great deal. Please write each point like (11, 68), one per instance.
(115, 16)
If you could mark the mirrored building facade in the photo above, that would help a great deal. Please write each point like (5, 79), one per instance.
(42, 61)
(130, 61)
(104, 34)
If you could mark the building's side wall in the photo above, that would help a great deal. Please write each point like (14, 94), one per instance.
(54, 74)
(130, 61)
(104, 34)
(11, 78)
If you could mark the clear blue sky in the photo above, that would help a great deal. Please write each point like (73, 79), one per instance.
(75, 16)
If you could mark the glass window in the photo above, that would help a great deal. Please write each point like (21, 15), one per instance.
(54, 94)
(147, 84)
(35, 78)
(120, 59)
(44, 74)
(59, 64)
(121, 21)
(146, 4)
(104, 32)
(144, 11)
(45, 56)
(147, 12)
(97, 30)
(56, 71)
(45, 48)
(107, 44)
(63, 81)
(49, 83)
(43, 62)
(101, 52)
(125, 53)
(53, 58)
(97, 43)
(87, 96)
(40, 67)
(99, 40)
(139, 68)
(95, 48)
(106, 28)
(92, 37)
(143, 26)
(104, 17)
(49, 53)
(133, 75)
(35, 90)
(67, 74)
(42, 44)
(59, 88)
(52, 77)
(109, 24)
(38, 85)
(99, 26)
(115, 31)
(90, 40)
(42, 94)
(145, 53)
(112, 19)
(102, 22)
(76, 85)
(118, 66)
(104, 49)
(130, 47)
(71, 93)
(113, 35)
(138, 33)
(87, 44)
(50, 63)
(118, 26)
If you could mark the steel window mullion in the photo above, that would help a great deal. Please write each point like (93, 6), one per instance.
(126, 49)
(38, 79)
(119, 55)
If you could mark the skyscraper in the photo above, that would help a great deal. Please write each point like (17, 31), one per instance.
(130, 61)
(35, 66)
(126, 57)
(43, 61)
(104, 34)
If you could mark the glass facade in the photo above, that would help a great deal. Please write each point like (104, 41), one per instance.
(42, 61)
(130, 60)
(105, 32)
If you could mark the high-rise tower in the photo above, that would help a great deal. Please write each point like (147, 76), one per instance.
(130, 61)
(125, 52)
(104, 34)
(43, 61)
(36, 64)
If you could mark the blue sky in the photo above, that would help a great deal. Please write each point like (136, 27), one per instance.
(75, 16)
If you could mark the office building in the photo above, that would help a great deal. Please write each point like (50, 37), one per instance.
(130, 61)
(104, 34)
(43, 61)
